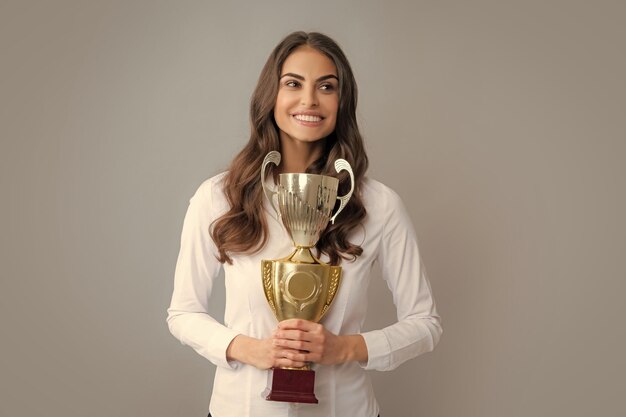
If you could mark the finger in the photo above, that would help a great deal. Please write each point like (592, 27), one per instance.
(298, 345)
(296, 356)
(294, 335)
(297, 324)
(289, 358)
(288, 363)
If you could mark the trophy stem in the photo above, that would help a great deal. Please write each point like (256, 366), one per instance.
(303, 255)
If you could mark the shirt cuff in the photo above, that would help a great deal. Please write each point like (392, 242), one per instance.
(378, 350)
(213, 345)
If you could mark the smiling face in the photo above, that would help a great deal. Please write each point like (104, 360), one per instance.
(308, 96)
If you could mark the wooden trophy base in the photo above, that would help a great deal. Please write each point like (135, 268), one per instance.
(291, 385)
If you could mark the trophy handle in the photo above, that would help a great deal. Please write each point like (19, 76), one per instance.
(274, 158)
(343, 165)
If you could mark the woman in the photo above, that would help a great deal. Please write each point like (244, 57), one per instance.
(304, 106)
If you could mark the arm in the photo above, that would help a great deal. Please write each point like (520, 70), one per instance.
(196, 270)
(418, 329)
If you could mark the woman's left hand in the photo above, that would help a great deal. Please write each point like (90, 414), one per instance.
(313, 341)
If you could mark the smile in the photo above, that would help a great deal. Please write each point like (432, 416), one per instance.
(307, 118)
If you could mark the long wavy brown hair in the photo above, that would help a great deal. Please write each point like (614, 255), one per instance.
(243, 228)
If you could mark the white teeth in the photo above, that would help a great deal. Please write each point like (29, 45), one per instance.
(306, 118)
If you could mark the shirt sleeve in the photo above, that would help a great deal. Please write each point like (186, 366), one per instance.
(196, 270)
(418, 328)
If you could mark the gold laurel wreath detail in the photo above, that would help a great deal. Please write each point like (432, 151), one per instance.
(267, 284)
(334, 282)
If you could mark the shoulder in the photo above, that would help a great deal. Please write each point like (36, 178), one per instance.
(211, 185)
(211, 193)
(378, 197)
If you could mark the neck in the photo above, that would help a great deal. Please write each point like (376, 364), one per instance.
(297, 156)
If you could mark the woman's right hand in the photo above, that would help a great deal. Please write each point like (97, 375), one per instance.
(261, 353)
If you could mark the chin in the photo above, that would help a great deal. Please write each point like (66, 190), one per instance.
(310, 140)
(306, 139)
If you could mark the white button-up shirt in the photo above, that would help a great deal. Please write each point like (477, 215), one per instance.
(387, 237)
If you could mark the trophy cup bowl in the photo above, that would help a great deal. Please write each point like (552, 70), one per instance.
(300, 285)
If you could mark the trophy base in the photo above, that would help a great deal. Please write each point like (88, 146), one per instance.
(291, 385)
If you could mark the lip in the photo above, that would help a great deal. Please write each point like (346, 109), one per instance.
(307, 113)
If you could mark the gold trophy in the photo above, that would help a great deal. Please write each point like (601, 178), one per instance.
(300, 285)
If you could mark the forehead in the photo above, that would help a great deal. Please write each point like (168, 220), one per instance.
(305, 60)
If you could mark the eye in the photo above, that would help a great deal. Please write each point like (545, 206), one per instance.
(328, 87)
(292, 83)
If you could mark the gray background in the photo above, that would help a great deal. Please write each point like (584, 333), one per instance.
(500, 123)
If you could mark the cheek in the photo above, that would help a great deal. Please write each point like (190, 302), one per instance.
(281, 110)
(333, 108)
(332, 103)
(284, 99)
(281, 103)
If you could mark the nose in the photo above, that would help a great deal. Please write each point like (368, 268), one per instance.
(308, 97)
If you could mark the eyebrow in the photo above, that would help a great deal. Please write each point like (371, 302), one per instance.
(300, 77)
